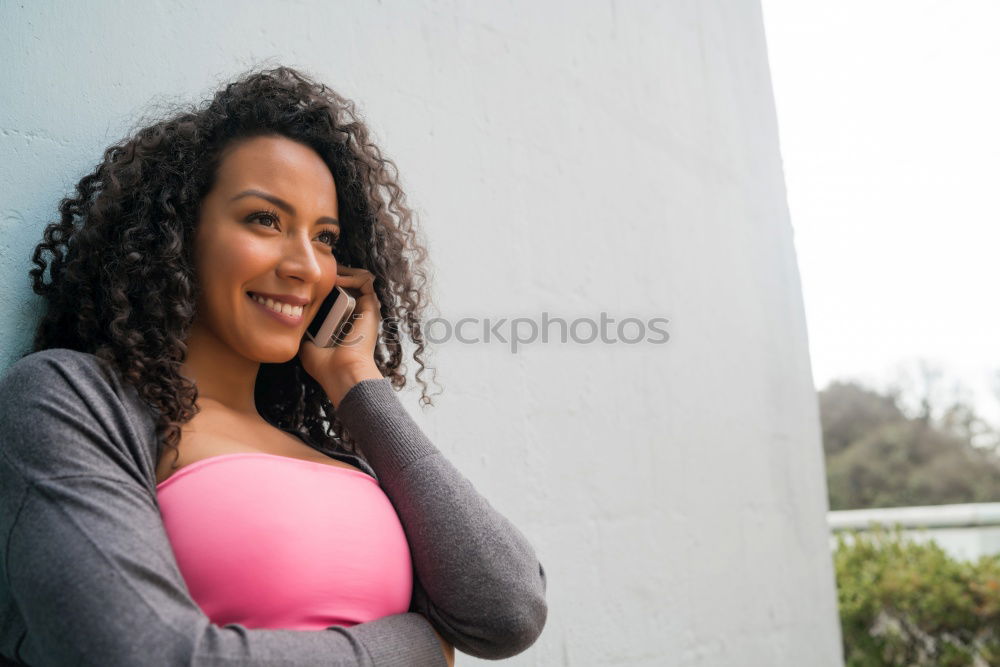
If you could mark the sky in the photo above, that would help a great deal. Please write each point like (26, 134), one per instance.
(889, 124)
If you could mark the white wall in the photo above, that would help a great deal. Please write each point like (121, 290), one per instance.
(569, 157)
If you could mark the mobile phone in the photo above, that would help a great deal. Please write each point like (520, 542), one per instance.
(327, 328)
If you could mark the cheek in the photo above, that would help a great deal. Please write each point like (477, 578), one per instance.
(229, 265)
(237, 259)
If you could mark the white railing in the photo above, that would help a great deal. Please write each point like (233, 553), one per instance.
(965, 531)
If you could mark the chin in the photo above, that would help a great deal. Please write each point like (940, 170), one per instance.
(275, 354)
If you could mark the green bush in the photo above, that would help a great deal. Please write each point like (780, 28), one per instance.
(909, 603)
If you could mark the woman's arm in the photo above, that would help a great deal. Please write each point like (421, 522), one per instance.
(478, 578)
(90, 575)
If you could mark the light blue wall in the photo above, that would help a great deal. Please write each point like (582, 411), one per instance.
(568, 157)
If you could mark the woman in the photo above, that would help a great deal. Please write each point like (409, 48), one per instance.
(185, 478)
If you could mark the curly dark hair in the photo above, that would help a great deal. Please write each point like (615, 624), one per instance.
(123, 285)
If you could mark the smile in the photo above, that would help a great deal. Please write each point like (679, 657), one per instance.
(283, 312)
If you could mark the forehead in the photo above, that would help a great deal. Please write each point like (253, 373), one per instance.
(278, 165)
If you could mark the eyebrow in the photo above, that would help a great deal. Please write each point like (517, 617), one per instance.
(282, 204)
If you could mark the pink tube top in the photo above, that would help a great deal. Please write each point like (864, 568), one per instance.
(270, 541)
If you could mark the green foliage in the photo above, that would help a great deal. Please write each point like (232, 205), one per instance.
(909, 603)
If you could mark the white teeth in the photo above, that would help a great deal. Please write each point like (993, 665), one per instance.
(278, 307)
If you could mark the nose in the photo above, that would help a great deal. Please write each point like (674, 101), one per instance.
(299, 260)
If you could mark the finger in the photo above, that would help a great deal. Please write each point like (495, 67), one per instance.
(363, 291)
(343, 277)
(349, 270)
(359, 274)
(365, 283)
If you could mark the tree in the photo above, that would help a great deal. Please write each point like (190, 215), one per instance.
(879, 456)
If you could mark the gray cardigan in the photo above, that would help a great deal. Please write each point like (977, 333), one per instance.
(89, 577)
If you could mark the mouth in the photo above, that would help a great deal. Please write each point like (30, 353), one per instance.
(284, 313)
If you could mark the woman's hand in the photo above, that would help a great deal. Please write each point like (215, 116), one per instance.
(354, 356)
(449, 650)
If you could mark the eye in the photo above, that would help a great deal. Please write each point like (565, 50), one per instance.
(266, 215)
(334, 238)
(272, 215)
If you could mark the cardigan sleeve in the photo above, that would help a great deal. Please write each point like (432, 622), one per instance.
(89, 576)
(478, 578)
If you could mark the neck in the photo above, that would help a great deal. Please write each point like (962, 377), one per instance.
(222, 375)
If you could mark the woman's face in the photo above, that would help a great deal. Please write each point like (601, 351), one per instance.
(268, 226)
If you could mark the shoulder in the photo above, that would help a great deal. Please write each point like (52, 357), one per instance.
(64, 411)
(53, 365)
(59, 374)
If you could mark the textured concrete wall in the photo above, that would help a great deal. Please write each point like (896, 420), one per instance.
(567, 157)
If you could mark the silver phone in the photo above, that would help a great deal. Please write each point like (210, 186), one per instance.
(327, 328)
